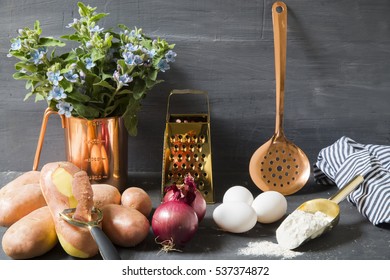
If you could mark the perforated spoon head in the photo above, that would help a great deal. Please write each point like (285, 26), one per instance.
(279, 165)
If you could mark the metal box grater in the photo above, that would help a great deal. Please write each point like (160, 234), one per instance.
(187, 147)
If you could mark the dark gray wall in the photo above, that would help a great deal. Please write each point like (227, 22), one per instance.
(338, 75)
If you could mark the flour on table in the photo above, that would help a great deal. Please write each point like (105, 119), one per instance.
(299, 226)
(269, 249)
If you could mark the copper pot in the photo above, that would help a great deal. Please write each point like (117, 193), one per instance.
(98, 146)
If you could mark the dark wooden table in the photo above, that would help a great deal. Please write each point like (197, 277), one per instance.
(354, 238)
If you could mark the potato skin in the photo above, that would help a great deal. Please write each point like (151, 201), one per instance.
(137, 198)
(31, 236)
(104, 194)
(18, 199)
(124, 226)
(76, 241)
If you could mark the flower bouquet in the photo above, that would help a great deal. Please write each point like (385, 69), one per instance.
(107, 74)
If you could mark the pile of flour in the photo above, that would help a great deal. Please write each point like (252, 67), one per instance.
(268, 249)
(299, 226)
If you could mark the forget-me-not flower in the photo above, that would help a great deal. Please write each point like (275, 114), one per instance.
(122, 80)
(96, 29)
(54, 77)
(131, 48)
(163, 65)
(151, 53)
(89, 63)
(36, 56)
(71, 76)
(57, 93)
(75, 21)
(65, 108)
(170, 56)
(138, 60)
(128, 58)
(16, 45)
(134, 34)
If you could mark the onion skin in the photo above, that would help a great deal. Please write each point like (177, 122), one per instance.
(199, 204)
(174, 221)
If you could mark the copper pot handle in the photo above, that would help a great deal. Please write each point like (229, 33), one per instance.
(46, 115)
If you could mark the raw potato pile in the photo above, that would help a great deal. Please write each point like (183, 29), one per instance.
(30, 207)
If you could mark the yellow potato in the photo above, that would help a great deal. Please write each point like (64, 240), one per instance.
(31, 236)
(137, 198)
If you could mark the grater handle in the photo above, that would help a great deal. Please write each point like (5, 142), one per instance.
(187, 91)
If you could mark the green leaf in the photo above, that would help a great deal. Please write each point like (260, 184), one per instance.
(28, 95)
(24, 76)
(130, 116)
(85, 111)
(50, 42)
(139, 88)
(37, 27)
(105, 84)
(25, 65)
(153, 74)
(71, 37)
(77, 96)
(83, 10)
(39, 97)
(125, 91)
(99, 16)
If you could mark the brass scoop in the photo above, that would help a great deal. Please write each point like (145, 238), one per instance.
(106, 248)
(279, 165)
(329, 207)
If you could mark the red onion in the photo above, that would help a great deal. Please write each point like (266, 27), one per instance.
(189, 194)
(174, 223)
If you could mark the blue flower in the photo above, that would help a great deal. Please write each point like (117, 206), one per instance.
(96, 29)
(56, 93)
(170, 56)
(71, 76)
(138, 60)
(163, 65)
(36, 57)
(89, 45)
(65, 108)
(133, 33)
(151, 53)
(131, 48)
(122, 80)
(54, 77)
(75, 21)
(128, 57)
(16, 45)
(89, 63)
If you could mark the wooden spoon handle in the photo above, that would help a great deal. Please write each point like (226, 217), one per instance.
(347, 189)
(279, 20)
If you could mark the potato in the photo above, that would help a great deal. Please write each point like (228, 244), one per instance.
(138, 199)
(31, 236)
(20, 197)
(104, 194)
(57, 188)
(124, 226)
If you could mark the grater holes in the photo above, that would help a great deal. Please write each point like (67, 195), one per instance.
(184, 166)
(188, 157)
(202, 139)
(279, 168)
(205, 174)
(200, 165)
(199, 146)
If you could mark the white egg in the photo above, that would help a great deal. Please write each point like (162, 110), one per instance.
(235, 217)
(270, 206)
(238, 194)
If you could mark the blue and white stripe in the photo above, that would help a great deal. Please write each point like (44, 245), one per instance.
(343, 160)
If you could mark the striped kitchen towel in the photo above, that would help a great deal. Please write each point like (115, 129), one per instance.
(343, 160)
